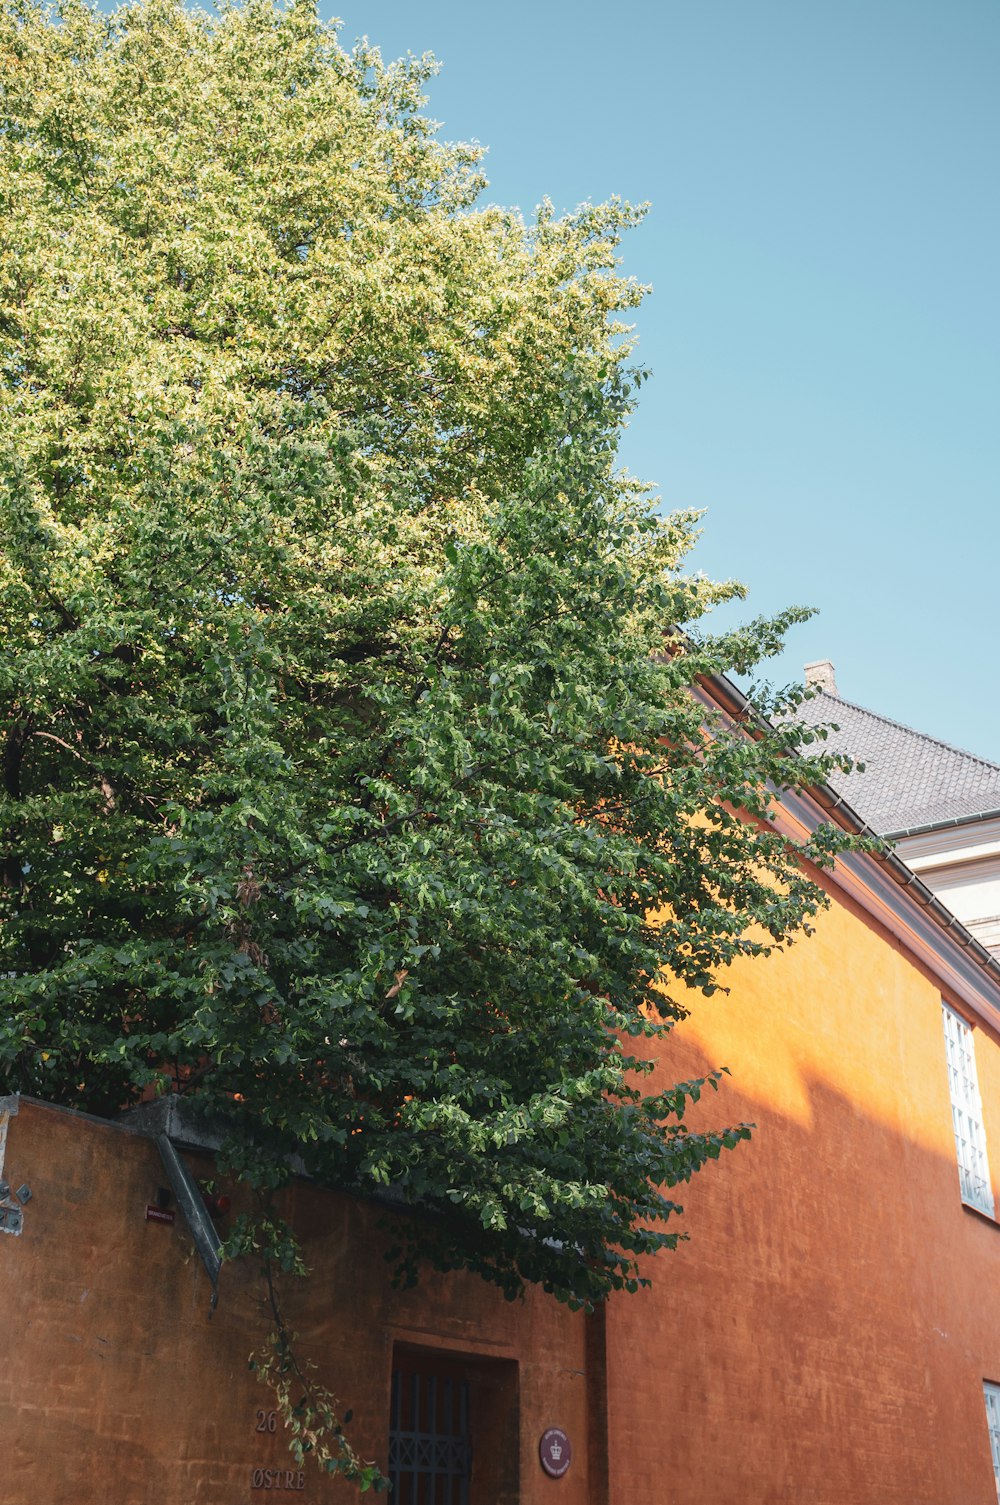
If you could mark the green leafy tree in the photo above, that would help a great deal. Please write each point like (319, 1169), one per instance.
(351, 785)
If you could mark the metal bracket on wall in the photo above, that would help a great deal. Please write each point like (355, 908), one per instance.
(8, 1107)
(191, 1204)
(11, 1216)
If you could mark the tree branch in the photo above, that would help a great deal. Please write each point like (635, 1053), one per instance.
(106, 788)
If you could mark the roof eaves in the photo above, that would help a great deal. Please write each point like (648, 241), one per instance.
(943, 825)
(732, 699)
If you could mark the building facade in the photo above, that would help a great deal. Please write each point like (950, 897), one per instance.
(830, 1332)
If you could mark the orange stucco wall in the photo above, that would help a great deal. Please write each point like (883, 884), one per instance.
(118, 1388)
(822, 1339)
(824, 1335)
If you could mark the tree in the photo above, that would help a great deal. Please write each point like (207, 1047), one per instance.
(353, 784)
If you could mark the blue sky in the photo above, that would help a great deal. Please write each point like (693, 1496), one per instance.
(823, 330)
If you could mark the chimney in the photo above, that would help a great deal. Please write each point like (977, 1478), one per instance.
(820, 676)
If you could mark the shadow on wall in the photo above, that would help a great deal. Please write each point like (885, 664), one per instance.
(119, 1386)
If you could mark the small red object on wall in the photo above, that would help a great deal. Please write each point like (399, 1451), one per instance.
(156, 1214)
(555, 1451)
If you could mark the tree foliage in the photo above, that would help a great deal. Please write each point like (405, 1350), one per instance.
(351, 784)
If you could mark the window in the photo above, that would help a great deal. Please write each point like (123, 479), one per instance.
(967, 1113)
(992, 1395)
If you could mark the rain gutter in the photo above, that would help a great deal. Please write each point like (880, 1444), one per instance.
(944, 825)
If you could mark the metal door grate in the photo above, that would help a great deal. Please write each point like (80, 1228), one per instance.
(430, 1457)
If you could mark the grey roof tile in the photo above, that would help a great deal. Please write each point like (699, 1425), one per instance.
(909, 779)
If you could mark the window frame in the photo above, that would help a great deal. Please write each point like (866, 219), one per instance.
(967, 1123)
(991, 1395)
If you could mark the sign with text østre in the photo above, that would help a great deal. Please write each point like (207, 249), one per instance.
(278, 1478)
(555, 1451)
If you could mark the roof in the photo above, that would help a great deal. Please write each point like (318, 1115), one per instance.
(910, 781)
(960, 956)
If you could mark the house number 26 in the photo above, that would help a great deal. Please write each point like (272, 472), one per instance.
(267, 1421)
